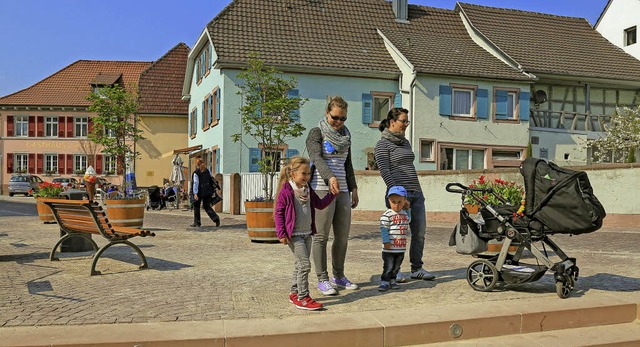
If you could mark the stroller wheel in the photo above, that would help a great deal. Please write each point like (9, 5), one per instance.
(482, 275)
(565, 287)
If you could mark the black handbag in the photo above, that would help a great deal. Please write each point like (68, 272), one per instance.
(215, 198)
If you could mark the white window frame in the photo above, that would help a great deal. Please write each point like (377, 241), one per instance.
(109, 163)
(21, 126)
(78, 160)
(379, 114)
(471, 90)
(51, 163)
(20, 162)
(456, 151)
(81, 126)
(427, 157)
(51, 126)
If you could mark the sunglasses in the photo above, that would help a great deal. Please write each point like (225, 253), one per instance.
(405, 121)
(338, 118)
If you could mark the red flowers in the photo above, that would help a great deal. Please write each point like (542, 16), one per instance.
(48, 190)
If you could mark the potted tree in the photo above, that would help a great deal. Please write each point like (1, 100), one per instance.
(47, 190)
(269, 116)
(115, 130)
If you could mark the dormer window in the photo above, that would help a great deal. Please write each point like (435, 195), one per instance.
(103, 80)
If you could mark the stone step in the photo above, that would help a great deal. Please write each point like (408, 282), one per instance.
(542, 318)
(626, 334)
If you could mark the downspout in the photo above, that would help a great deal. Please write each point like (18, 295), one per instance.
(412, 103)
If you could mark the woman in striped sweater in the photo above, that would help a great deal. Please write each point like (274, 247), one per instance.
(394, 158)
(329, 146)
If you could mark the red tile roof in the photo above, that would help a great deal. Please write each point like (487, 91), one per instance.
(71, 85)
(544, 43)
(161, 84)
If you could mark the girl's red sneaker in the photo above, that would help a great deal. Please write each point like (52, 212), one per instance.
(308, 304)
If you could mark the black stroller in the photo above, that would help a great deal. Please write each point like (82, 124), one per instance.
(154, 199)
(557, 201)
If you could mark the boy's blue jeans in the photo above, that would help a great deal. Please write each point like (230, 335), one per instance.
(391, 265)
(418, 226)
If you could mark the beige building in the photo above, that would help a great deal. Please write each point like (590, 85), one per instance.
(44, 128)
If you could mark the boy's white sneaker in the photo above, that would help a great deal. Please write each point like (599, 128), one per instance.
(400, 278)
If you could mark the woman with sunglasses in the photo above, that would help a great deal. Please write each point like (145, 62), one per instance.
(329, 147)
(394, 158)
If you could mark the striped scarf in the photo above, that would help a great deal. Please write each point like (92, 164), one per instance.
(339, 139)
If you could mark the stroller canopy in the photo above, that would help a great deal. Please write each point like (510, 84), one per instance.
(560, 198)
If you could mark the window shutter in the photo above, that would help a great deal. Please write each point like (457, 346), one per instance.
(254, 157)
(502, 97)
(69, 164)
(32, 163)
(40, 126)
(89, 125)
(9, 162)
(210, 108)
(217, 160)
(367, 106)
(292, 152)
(69, 126)
(60, 167)
(98, 164)
(525, 106)
(10, 126)
(204, 115)
(195, 121)
(32, 126)
(40, 163)
(482, 103)
(61, 128)
(445, 100)
(218, 104)
(295, 115)
(397, 100)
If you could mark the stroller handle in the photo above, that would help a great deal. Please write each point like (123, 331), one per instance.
(456, 188)
(462, 189)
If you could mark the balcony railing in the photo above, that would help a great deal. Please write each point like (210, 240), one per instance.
(569, 120)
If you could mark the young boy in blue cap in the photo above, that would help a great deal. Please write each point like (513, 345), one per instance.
(394, 227)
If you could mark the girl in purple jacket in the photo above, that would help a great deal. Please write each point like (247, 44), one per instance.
(294, 215)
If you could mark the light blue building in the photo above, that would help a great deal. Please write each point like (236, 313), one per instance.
(470, 91)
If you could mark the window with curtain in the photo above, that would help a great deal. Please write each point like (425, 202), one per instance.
(462, 102)
(462, 159)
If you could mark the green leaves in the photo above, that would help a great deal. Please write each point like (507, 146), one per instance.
(268, 112)
(115, 121)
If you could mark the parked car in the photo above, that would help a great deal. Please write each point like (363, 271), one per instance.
(23, 184)
(66, 182)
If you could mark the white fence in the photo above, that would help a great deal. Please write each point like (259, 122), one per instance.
(251, 184)
(226, 193)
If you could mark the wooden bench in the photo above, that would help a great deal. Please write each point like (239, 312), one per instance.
(82, 218)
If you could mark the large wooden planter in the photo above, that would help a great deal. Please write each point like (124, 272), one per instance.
(260, 224)
(44, 212)
(125, 213)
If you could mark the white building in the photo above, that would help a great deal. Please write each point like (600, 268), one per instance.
(619, 23)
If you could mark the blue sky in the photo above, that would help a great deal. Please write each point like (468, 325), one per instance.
(40, 37)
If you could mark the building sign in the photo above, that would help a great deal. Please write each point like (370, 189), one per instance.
(45, 145)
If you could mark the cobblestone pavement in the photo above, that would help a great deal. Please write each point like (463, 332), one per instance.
(214, 273)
